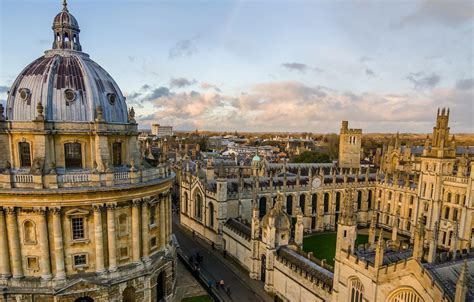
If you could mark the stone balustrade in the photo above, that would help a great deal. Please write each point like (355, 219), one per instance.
(82, 178)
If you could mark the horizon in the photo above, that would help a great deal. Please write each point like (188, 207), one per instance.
(235, 66)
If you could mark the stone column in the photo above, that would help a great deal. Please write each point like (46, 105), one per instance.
(4, 255)
(170, 216)
(162, 200)
(99, 239)
(145, 230)
(45, 260)
(58, 244)
(136, 230)
(14, 243)
(112, 236)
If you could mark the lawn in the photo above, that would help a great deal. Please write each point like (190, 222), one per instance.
(323, 245)
(204, 298)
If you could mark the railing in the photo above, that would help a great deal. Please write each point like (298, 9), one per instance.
(74, 178)
(121, 175)
(23, 178)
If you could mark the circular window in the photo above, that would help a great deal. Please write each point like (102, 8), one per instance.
(112, 97)
(24, 94)
(70, 95)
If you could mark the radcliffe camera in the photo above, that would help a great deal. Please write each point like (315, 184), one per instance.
(231, 151)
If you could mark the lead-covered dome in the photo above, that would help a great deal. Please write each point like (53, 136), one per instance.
(68, 84)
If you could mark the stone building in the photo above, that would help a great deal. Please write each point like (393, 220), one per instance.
(258, 214)
(82, 216)
(349, 146)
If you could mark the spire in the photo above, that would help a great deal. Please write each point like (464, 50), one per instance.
(65, 6)
(379, 250)
(462, 283)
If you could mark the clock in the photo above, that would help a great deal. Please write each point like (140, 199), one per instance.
(316, 183)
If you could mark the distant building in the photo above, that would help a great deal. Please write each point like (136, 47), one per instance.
(161, 131)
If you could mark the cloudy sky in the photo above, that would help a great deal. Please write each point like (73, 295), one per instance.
(268, 65)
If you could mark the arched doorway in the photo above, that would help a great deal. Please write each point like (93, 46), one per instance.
(128, 294)
(160, 287)
(263, 267)
(84, 299)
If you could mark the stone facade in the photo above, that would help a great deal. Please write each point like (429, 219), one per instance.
(426, 213)
(349, 146)
(82, 216)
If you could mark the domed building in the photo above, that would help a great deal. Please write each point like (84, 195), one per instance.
(83, 217)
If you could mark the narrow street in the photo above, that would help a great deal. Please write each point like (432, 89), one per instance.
(216, 267)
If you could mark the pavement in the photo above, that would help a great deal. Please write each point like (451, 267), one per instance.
(186, 285)
(215, 267)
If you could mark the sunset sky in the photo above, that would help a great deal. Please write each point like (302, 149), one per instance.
(385, 66)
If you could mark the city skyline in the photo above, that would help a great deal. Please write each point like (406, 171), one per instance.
(269, 66)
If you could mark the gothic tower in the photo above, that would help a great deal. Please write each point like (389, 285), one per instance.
(349, 146)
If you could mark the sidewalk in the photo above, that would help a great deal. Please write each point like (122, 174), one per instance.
(216, 267)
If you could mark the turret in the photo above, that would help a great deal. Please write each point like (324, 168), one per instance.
(419, 239)
(299, 227)
(379, 251)
(462, 283)
(221, 183)
(347, 227)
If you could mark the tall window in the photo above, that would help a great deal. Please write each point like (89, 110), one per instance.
(153, 215)
(302, 202)
(77, 228)
(359, 200)
(262, 207)
(338, 201)
(326, 203)
(357, 290)
(314, 202)
(211, 214)
(25, 155)
(185, 210)
(73, 155)
(289, 204)
(123, 224)
(198, 207)
(117, 154)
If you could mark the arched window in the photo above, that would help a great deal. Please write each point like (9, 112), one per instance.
(446, 213)
(66, 37)
(73, 155)
(25, 154)
(185, 206)
(456, 198)
(262, 207)
(117, 154)
(338, 201)
(359, 200)
(123, 224)
(198, 207)
(302, 202)
(356, 290)
(369, 200)
(314, 202)
(326, 203)
(128, 294)
(449, 197)
(455, 214)
(403, 295)
(29, 231)
(211, 214)
(152, 214)
(289, 204)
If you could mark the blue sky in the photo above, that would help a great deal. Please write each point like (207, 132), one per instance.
(268, 65)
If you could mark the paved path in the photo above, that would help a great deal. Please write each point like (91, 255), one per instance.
(186, 285)
(217, 267)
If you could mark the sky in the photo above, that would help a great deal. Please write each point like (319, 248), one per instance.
(295, 66)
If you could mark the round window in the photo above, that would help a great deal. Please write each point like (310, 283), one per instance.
(24, 94)
(70, 95)
(112, 97)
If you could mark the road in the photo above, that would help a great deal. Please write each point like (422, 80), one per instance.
(215, 266)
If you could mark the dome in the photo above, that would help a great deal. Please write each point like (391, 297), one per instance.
(282, 220)
(256, 160)
(67, 83)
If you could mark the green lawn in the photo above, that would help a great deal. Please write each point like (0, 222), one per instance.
(323, 245)
(204, 298)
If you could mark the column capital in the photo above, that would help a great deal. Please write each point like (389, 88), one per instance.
(55, 210)
(111, 206)
(136, 202)
(40, 210)
(9, 210)
(97, 207)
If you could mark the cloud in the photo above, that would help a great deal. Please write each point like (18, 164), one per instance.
(207, 86)
(449, 13)
(465, 84)
(364, 59)
(421, 80)
(181, 82)
(4, 89)
(370, 72)
(295, 66)
(183, 48)
(294, 106)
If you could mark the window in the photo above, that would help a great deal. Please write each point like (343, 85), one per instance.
(211, 214)
(123, 252)
(25, 155)
(326, 203)
(357, 290)
(117, 154)
(29, 232)
(359, 200)
(412, 198)
(410, 212)
(302, 202)
(185, 207)
(123, 224)
(153, 215)
(406, 294)
(456, 199)
(446, 213)
(289, 204)
(73, 155)
(314, 202)
(262, 207)
(153, 242)
(338, 201)
(455, 214)
(389, 195)
(198, 207)
(32, 263)
(80, 260)
(77, 228)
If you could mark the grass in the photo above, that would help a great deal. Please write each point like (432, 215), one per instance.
(323, 245)
(204, 298)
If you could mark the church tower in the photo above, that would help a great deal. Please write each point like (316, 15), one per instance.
(349, 146)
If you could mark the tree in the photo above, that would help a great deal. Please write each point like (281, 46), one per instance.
(312, 157)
